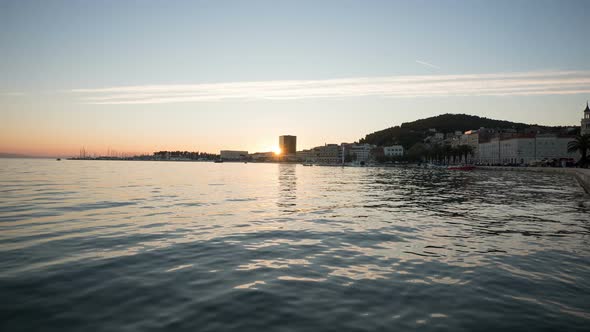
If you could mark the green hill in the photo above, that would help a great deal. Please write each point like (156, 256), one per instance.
(412, 132)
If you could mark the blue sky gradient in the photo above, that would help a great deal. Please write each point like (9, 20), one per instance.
(50, 48)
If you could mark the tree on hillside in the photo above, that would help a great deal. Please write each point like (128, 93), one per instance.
(410, 133)
(451, 122)
(581, 143)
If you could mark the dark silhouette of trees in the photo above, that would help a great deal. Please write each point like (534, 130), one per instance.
(414, 132)
(418, 152)
(465, 151)
(438, 153)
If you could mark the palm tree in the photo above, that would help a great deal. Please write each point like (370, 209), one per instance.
(439, 152)
(457, 154)
(448, 153)
(581, 143)
(466, 151)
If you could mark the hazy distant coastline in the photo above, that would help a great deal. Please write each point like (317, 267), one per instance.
(17, 155)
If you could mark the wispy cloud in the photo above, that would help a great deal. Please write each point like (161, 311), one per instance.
(497, 84)
(427, 64)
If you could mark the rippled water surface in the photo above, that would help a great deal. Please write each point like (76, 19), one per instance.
(144, 246)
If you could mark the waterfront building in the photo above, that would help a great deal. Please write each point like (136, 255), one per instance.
(585, 128)
(262, 156)
(305, 155)
(326, 154)
(329, 154)
(233, 155)
(471, 138)
(517, 150)
(485, 134)
(393, 151)
(489, 152)
(361, 152)
(512, 150)
(288, 145)
(525, 149)
(377, 153)
(549, 146)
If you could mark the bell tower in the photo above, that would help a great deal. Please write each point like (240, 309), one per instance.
(585, 129)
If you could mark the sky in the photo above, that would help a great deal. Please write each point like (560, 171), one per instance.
(143, 76)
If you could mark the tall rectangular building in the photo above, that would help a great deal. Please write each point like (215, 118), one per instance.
(288, 144)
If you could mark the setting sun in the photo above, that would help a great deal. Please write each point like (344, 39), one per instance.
(276, 150)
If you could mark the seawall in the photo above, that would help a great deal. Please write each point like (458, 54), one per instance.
(581, 174)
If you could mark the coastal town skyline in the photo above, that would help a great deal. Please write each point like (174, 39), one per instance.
(208, 76)
(276, 149)
(447, 138)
